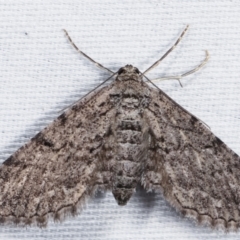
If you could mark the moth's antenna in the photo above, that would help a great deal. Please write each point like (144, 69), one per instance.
(85, 55)
(180, 76)
(90, 92)
(169, 50)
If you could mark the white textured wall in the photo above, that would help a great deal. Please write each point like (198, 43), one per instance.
(40, 73)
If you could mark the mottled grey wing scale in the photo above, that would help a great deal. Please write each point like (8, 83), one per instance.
(55, 172)
(198, 173)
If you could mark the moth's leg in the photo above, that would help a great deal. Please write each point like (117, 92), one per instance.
(85, 55)
(169, 50)
(178, 77)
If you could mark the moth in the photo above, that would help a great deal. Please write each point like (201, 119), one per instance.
(121, 135)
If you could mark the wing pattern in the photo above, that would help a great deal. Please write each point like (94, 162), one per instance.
(58, 169)
(198, 173)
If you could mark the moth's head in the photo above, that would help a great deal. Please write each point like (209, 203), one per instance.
(129, 73)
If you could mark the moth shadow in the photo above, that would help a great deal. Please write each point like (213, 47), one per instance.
(147, 200)
(147, 204)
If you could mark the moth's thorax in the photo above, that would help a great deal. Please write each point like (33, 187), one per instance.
(128, 73)
(131, 140)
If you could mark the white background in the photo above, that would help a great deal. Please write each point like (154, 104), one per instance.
(40, 74)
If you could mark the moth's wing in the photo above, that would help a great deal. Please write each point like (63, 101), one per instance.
(198, 173)
(57, 170)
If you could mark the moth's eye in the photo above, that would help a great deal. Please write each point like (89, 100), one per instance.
(121, 70)
(137, 71)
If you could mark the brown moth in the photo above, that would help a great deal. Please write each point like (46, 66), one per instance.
(124, 134)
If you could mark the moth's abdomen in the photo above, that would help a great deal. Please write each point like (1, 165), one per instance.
(128, 165)
(131, 148)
